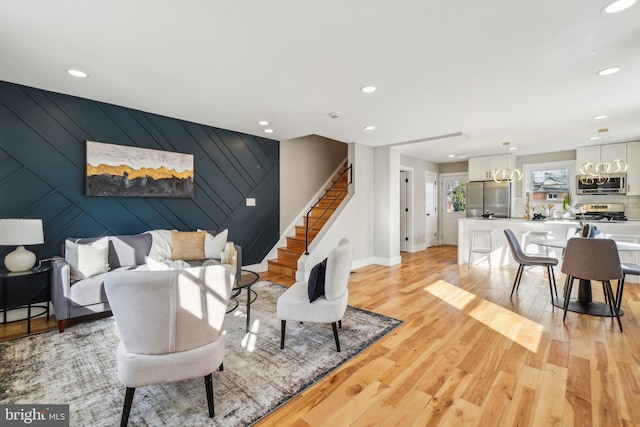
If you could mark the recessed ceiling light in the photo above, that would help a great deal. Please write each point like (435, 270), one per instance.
(513, 148)
(593, 138)
(618, 6)
(268, 130)
(78, 73)
(600, 117)
(368, 89)
(451, 155)
(370, 127)
(608, 71)
(263, 123)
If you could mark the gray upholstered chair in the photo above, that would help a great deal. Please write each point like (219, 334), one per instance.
(593, 259)
(626, 269)
(525, 260)
(294, 303)
(171, 326)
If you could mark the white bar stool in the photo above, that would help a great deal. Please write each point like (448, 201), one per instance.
(473, 249)
(527, 236)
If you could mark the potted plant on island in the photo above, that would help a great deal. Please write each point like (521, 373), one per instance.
(567, 203)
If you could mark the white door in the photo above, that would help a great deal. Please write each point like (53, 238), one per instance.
(404, 211)
(453, 205)
(431, 208)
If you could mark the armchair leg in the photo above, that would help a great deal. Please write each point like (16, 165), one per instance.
(61, 324)
(335, 335)
(208, 385)
(126, 409)
(221, 367)
(340, 323)
(283, 326)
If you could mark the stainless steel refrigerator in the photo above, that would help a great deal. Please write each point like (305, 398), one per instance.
(488, 197)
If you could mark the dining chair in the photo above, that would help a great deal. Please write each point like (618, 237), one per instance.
(593, 259)
(626, 269)
(171, 324)
(525, 260)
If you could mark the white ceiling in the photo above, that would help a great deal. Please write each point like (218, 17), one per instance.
(489, 71)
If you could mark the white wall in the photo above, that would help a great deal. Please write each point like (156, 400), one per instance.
(305, 165)
(354, 219)
(418, 168)
(386, 215)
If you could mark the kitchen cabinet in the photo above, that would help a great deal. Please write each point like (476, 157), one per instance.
(633, 173)
(601, 153)
(481, 168)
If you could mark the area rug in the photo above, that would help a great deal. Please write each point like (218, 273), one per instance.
(79, 368)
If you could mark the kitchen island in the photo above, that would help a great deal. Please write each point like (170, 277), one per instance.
(628, 231)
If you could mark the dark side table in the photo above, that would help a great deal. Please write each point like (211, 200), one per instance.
(25, 289)
(247, 278)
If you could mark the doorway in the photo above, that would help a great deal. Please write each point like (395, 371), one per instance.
(453, 203)
(431, 208)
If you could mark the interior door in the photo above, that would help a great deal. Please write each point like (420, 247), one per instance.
(431, 208)
(453, 205)
(404, 211)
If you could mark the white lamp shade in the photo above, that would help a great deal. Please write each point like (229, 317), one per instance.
(21, 232)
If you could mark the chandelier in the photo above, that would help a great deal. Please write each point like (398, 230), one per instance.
(598, 173)
(507, 174)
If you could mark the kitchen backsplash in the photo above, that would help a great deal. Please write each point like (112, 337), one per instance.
(631, 203)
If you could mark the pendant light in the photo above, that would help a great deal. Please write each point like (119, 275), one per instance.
(508, 174)
(598, 173)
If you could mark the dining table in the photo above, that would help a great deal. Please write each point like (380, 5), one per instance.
(584, 303)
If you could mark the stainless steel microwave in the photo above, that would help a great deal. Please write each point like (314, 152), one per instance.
(616, 184)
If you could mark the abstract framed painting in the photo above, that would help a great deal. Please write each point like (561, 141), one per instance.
(124, 171)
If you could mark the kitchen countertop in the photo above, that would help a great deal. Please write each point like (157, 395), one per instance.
(557, 220)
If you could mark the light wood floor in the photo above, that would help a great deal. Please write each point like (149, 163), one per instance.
(467, 355)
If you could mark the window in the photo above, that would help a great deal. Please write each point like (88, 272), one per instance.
(456, 196)
(548, 183)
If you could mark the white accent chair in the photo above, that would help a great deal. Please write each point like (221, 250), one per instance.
(171, 326)
(294, 303)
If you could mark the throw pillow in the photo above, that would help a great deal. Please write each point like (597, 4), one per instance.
(187, 245)
(316, 281)
(213, 245)
(86, 260)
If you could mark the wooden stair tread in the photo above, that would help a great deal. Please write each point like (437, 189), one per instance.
(287, 262)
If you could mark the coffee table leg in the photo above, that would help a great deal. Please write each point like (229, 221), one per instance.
(248, 308)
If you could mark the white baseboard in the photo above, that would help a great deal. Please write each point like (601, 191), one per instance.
(388, 262)
(418, 248)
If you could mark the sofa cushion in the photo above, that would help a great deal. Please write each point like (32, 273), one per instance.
(86, 260)
(129, 250)
(187, 245)
(125, 250)
(91, 291)
(214, 244)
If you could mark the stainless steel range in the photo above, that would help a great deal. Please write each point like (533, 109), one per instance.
(601, 212)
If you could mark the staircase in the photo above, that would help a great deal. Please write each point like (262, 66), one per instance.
(287, 262)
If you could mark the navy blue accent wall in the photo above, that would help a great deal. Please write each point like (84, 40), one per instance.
(42, 169)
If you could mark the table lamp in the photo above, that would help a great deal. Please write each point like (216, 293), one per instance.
(20, 232)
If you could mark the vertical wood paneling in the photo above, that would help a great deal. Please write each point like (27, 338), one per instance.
(42, 167)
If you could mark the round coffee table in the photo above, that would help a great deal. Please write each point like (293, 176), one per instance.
(247, 278)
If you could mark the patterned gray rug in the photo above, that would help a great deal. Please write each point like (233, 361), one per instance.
(78, 368)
